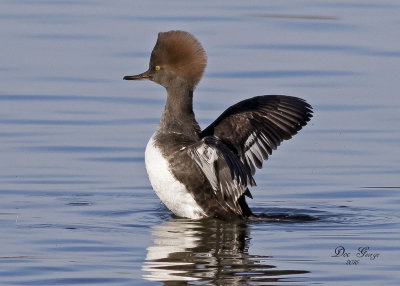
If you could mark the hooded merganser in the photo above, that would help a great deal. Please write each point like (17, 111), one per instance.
(205, 173)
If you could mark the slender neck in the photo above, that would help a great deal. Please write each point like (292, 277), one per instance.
(178, 115)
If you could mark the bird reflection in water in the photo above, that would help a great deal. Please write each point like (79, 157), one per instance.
(208, 251)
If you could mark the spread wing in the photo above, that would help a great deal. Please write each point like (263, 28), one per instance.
(254, 127)
(227, 175)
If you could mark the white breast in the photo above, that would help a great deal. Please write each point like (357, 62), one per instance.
(170, 191)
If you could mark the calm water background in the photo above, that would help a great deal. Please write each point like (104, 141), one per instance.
(76, 206)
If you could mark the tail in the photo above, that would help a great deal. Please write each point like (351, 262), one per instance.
(244, 206)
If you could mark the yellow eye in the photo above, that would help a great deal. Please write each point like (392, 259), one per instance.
(157, 68)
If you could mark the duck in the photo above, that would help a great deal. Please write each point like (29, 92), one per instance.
(207, 173)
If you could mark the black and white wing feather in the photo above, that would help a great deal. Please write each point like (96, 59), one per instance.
(228, 176)
(254, 127)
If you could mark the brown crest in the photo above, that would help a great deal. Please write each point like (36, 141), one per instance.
(181, 53)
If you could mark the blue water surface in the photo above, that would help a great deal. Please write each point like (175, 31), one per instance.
(76, 205)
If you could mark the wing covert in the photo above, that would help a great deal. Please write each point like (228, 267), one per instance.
(223, 169)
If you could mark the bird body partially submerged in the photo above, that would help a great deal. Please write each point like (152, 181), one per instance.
(170, 191)
(206, 173)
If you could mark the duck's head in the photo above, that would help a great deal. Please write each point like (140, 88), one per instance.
(177, 59)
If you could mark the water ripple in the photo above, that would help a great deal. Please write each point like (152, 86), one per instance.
(353, 50)
(281, 74)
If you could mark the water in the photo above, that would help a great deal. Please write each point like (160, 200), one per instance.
(76, 206)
